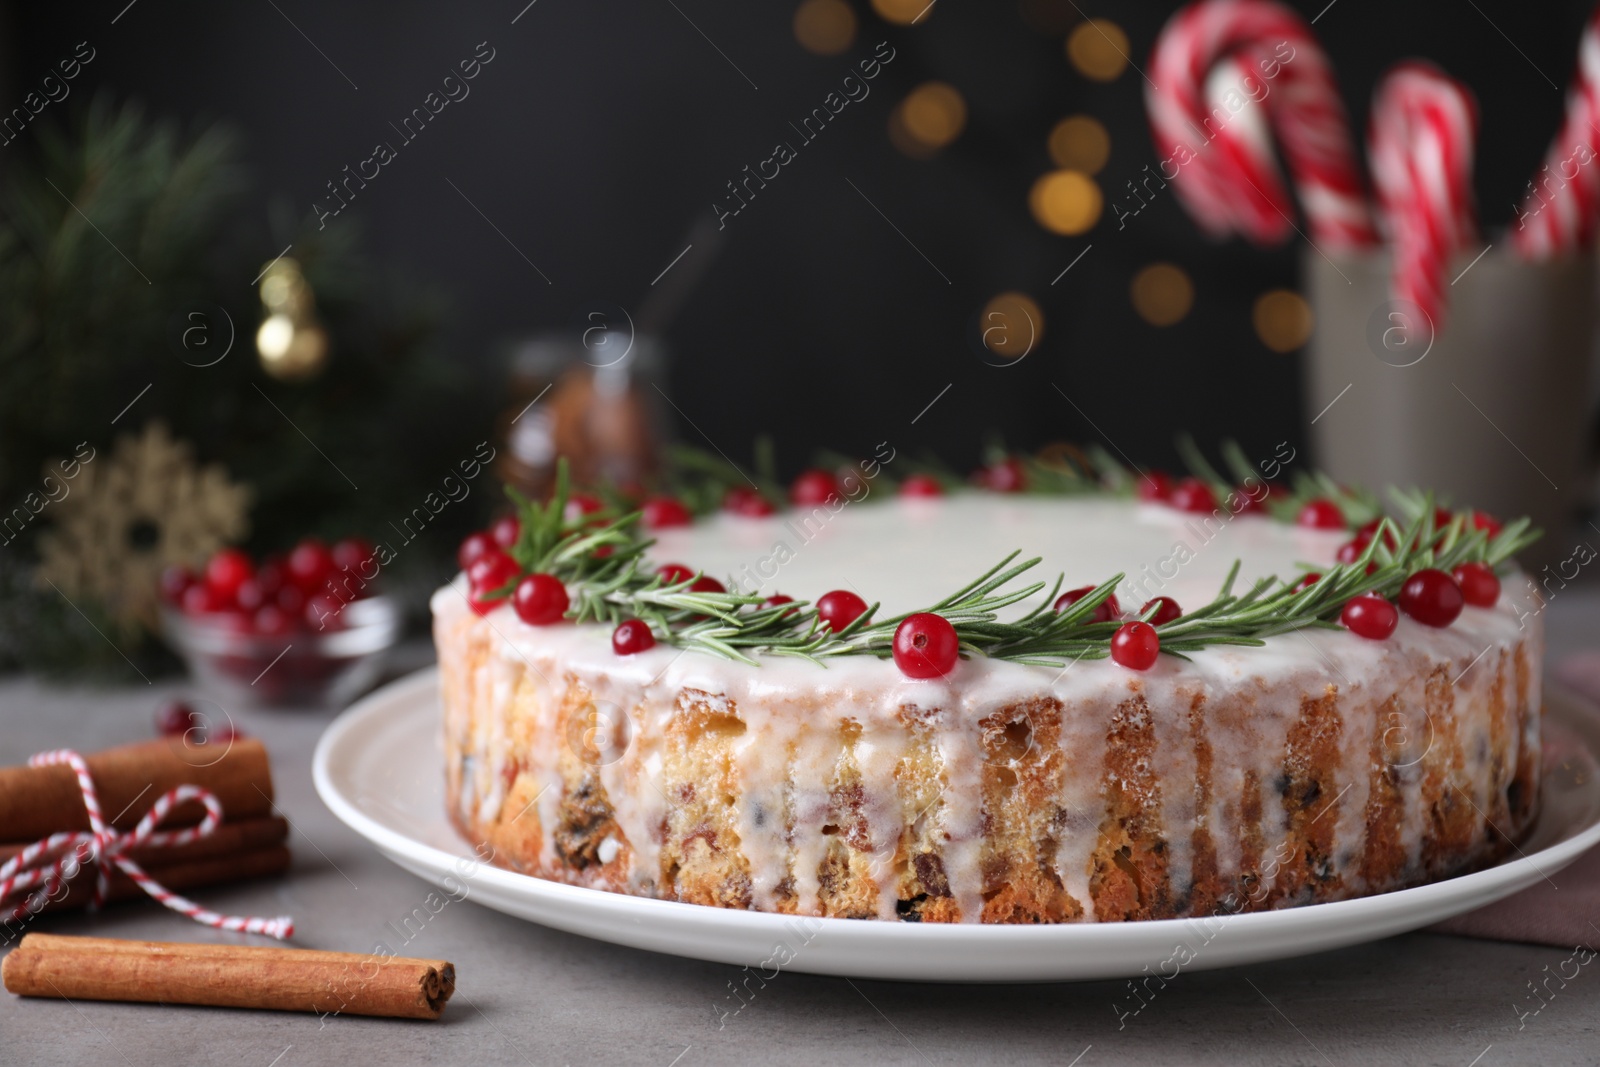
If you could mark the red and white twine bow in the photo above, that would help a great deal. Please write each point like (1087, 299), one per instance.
(54, 861)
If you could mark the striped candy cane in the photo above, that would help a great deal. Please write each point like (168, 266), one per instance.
(1215, 62)
(1424, 124)
(1560, 216)
(54, 861)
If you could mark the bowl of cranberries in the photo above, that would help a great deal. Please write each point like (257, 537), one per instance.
(305, 628)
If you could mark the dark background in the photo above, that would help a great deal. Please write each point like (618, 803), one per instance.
(602, 131)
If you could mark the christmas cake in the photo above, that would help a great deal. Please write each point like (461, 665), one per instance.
(1246, 698)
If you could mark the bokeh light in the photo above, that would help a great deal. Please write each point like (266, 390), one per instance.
(1162, 294)
(933, 114)
(1283, 320)
(903, 12)
(826, 27)
(1099, 49)
(1067, 202)
(1011, 325)
(903, 141)
(1080, 142)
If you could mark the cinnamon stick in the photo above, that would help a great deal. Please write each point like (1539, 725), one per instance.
(228, 838)
(38, 801)
(228, 976)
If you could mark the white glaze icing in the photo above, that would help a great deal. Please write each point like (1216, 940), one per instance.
(908, 554)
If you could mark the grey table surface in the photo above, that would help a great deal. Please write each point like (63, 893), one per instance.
(529, 995)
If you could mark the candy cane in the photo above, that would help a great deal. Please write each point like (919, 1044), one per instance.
(1561, 213)
(1223, 169)
(1424, 124)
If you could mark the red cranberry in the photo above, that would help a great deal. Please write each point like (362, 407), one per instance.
(1431, 597)
(756, 506)
(491, 571)
(540, 599)
(1108, 610)
(290, 600)
(272, 621)
(226, 569)
(632, 636)
(1482, 520)
(201, 599)
(249, 596)
(1479, 585)
(1154, 487)
(1442, 517)
(1193, 495)
(175, 718)
(505, 531)
(1321, 514)
(1166, 610)
(813, 487)
(489, 574)
(839, 609)
(1307, 580)
(324, 613)
(661, 512)
(1371, 616)
(673, 573)
(778, 600)
(474, 546)
(1005, 476)
(1136, 645)
(354, 554)
(175, 581)
(578, 506)
(271, 576)
(1368, 530)
(707, 585)
(921, 485)
(309, 565)
(743, 500)
(1351, 551)
(926, 646)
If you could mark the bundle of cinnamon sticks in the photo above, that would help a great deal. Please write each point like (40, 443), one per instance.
(36, 802)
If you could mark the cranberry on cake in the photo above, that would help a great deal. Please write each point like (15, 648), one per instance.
(1214, 702)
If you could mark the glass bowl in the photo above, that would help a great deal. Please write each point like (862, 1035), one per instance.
(326, 669)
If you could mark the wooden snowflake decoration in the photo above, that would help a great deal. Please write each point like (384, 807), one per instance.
(132, 514)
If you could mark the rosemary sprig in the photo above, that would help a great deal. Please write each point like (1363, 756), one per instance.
(600, 558)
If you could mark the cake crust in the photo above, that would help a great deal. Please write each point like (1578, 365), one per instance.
(1245, 780)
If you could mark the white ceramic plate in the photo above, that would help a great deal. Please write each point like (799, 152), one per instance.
(379, 767)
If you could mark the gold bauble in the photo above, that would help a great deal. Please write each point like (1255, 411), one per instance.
(292, 343)
(291, 351)
(284, 288)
